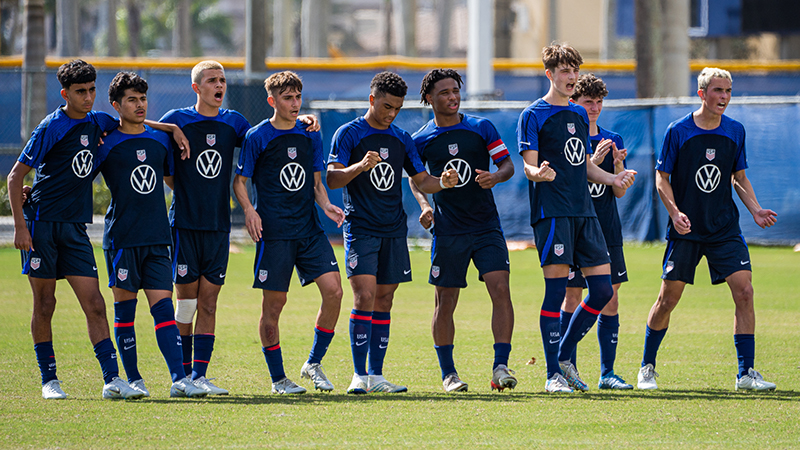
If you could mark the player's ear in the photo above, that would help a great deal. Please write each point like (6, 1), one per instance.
(548, 74)
(115, 105)
(271, 101)
(702, 94)
(64, 94)
(195, 88)
(371, 100)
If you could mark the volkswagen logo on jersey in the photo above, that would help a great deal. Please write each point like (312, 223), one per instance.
(143, 179)
(82, 163)
(262, 275)
(384, 153)
(463, 169)
(35, 262)
(707, 178)
(710, 154)
(122, 274)
(453, 149)
(558, 249)
(293, 177)
(435, 271)
(209, 163)
(382, 176)
(85, 140)
(597, 190)
(571, 128)
(574, 151)
(211, 139)
(292, 152)
(183, 269)
(141, 155)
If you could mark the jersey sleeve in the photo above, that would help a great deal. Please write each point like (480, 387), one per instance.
(165, 140)
(241, 126)
(251, 148)
(412, 163)
(740, 163)
(585, 116)
(527, 131)
(169, 117)
(494, 144)
(319, 158)
(38, 145)
(342, 145)
(669, 151)
(105, 121)
(100, 157)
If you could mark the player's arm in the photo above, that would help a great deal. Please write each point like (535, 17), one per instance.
(533, 170)
(176, 132)
(431, 185)
(22, 237)
(680, 222)
(310, 120)
(321, 197)
(251, 218)
(426, 216)
(763, 217)
(170, 181)
(339, 175)
(619, 156)
(622, 180)
(504, 172)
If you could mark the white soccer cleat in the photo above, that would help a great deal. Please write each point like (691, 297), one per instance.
(139, 386)
(753, 381)
(52, 390)
(613, 381)
(557, 384)
(314, 373)
(572, 376)
(502, 378)
(119, 389)
(185, 388)
(647, 378)
(377, 383)
(358, 385)
(206, 385)
(287, 386)
(452, 383)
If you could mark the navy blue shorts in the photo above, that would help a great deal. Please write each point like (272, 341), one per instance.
(62, 249)
(575, 241)
(198, 253)
(619, 272)
(450, 256)
(147, 267)
(724, 259)
(385, 258)
(312, 256)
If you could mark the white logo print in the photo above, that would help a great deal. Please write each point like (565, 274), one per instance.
(463, 169)
(453, 149)
(143, 179)
(209, 163)
(293, 177)
(82, 163)
(574, 151)
(597, 190)
(707, 178)
(382, 176)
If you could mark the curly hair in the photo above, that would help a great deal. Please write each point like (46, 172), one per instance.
(433, 77)
(76, 71)
(388, 83)
(124, 81)
(278, 83)
(589, 86)
(556, 54)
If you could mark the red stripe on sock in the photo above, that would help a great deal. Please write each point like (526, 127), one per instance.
(587, 308)
(165, 324)
(381, 322)
(199, 361)
(550, 314)
(323, 329)
(122, 324)
(357, 317)
(274, 347)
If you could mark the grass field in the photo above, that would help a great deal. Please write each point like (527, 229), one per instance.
(695, 406)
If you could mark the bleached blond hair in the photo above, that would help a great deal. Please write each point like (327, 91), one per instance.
(704, 79)
(197, 70)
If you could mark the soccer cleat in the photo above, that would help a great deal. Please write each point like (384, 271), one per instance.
(557, 383)
(502, 378)
(358, 385)
(613, 381)
(118, 389)
(314, 373)
(206, 385)
(185, 388)
(753, 381)
(452, 383)
(377, 383)
(647, 378)
(287, 386)
(572, 376)
(52, 390)
(139, 386)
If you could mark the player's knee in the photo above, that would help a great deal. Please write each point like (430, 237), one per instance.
(185, 309)
(743, 295)
(45, 307)
(95, 309)
(666, 302)
(572, 299)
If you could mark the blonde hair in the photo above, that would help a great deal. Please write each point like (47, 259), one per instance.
(197, 70)
(704, 79)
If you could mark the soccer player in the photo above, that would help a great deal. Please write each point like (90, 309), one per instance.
(609, 154)
(700, 156)
(553, 137)
(134, 159)
(282, 158)
(466, 223)
(367, 158)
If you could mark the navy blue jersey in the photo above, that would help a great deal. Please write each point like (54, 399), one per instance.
(202, 198)
(561, 136)
(701, 163)
(605, 202)
(282, 164)
(62, 152)
(373, 200)
(134, 166)
(469, 145)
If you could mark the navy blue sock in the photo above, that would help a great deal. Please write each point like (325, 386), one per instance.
(501, 352)
(379, 341)
(584, 317)
(554, 291)
(186, 349)
(125, 334)
(360, 330)
(203, 347)
(322, 339)
(47, 360)
(745, 351)
(274, 359)
(564, 322)
(607, 335)
(168, 337)
(446, 363)
(652, 340)
(107, 357)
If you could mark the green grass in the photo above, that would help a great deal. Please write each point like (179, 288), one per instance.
(695, 406)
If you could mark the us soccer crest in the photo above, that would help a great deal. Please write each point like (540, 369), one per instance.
(710, 154)
(183, 269)
(558, 249)
(571, 128)
(352, 261)
(122, 274)
(141, 155)
(435, 271)
(384, 153)
(35, 263)
(85, 140)
(453, 148)
(262, 275)
(670, 266)
(292, 152)
(571, 275)
(211, 139)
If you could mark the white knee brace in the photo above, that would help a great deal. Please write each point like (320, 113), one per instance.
(185, 309)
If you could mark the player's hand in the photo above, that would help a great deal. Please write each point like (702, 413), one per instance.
(681, 223)
(253, 223)
(625, 179)
(545, 173)
(449, 178)
(603, 147)
(26, 191)
(370, 160)
(619, 155)
(765, 218)
(485, 179)
(183, 143)
(22, 239)
(101, 141)
(426, 217)
(335, 214)
(310, 120)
